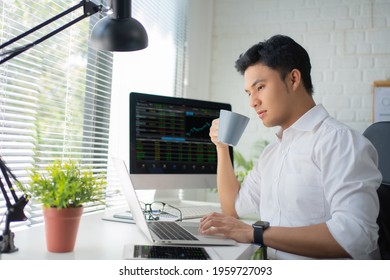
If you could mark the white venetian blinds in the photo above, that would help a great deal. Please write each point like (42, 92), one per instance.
(54, 98)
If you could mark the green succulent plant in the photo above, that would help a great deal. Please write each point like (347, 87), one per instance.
(65, 185)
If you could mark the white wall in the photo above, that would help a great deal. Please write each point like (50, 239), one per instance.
(348, 42)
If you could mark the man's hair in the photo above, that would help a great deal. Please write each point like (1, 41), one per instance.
(280, 53)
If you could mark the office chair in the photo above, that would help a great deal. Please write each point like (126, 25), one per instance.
(379, 135)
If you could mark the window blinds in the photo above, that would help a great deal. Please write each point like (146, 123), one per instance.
(54, 98)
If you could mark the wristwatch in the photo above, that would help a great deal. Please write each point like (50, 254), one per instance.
(258, 229)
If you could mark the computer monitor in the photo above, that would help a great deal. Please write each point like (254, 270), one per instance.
(170, 146)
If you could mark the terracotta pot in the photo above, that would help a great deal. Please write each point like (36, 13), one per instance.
(61, 228)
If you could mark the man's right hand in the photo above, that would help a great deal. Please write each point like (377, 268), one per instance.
(214, 134)
(227, 183)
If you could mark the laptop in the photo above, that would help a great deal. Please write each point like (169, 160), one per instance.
(159, 232)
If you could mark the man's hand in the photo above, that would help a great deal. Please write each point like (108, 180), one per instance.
(231, 227)
(214, 134)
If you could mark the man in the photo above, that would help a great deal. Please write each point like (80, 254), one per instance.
(315, 185)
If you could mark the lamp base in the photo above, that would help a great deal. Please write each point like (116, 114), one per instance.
(7, 243)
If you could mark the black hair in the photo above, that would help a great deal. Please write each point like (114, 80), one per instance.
(280, 53)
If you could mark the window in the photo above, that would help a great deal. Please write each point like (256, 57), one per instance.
(55, 99)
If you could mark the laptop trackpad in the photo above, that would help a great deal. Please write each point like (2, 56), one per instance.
(191, 227)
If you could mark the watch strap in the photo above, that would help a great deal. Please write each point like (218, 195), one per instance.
(258, 236)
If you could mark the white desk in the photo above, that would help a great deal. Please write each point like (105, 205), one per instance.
(98, 239)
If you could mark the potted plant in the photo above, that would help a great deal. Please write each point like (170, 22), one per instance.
(63, 189)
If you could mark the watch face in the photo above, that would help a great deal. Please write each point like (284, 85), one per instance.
(262, 224)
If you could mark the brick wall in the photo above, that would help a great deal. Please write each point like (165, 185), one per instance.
(348, 42)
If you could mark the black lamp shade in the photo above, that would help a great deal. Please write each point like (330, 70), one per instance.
(113, 34)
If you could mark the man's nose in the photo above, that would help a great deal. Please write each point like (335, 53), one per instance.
(254, 101)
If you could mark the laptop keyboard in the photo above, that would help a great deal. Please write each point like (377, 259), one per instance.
(194, 212)
(170, 231)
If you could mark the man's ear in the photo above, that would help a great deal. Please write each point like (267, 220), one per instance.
(295, 78)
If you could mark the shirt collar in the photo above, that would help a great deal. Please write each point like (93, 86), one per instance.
(309, 120)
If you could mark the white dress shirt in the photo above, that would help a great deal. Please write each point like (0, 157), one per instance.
(317, 171)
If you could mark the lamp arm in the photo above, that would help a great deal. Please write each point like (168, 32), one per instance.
(5, 171)
(5, 195)
(90, 8)
(15, 211)
(43, 24)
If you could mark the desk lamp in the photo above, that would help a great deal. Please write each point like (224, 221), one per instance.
(118, 31)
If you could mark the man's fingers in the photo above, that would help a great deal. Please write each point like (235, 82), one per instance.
(212, 224)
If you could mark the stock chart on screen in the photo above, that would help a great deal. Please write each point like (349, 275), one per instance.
(173, 137)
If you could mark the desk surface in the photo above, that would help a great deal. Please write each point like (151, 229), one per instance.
(98, 239)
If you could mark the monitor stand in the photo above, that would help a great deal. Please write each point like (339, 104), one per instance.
(168, 196)
(179, 197)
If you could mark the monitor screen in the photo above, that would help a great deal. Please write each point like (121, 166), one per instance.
(170, 145)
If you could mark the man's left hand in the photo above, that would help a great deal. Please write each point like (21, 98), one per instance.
(230, 227)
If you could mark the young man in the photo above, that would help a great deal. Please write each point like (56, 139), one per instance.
(315, 186)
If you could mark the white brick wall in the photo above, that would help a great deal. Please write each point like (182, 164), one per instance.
(348, 42)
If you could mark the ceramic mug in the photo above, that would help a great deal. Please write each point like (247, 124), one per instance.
(231, 127)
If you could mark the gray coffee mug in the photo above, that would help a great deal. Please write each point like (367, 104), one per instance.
(231, 127)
